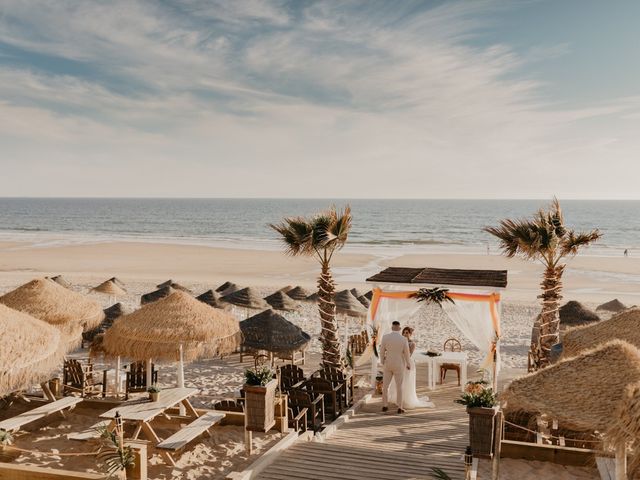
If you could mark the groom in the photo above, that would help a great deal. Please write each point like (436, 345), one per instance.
(396, 359)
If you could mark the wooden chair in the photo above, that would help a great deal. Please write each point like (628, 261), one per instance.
(80, 378)
(338, 378)
(298, 419)
(137, 378)
(290, 377)
(300, 399)
(229, 406)
(332, 394)
(450, 345)
(296, 357)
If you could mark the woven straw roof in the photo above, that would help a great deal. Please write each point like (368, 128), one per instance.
(364, 301)
(60, 280)
(272, 332)
(614, 305)
(110, 314)
(356, 293)
(174, 285)
(118, 282)
(226, 288)
(31, 350)
(313, 297)
(158, 329)
(298, 293)
(114, 311)
(59, 306)
(285, 289)
(212, 299)
(156, 295)
(110, 288)
(369, 295)
(281, 301)
(623, 326)
(247, 298)
(349, 305)
(574, 313)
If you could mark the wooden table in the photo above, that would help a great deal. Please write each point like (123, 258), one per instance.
(141, 412)
(459, 358)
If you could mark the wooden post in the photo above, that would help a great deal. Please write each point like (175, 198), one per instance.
(139, 470)
(248, 437)
(181, 410)
(149, 372)
(497, 442)
(118, 366)
(621, 461)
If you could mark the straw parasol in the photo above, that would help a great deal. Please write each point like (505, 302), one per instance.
(313, 297)
(246, 298)
(285, 289)
(369, 295)
(298, 293)
(614, 305)
(349, 305)
(174, 285)
(281, 301)
(574, 313)
(623, 326)
(227, 287)
(60, 280)
(31, 350)
(212, 299)
(175, 328)
(156, 295)
(356, 293)
(46, 300)
(110, 288)
(272, 332)
(118, 282)
(110, 314)
(366, 303)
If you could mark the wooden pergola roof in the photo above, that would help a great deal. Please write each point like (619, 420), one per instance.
(442, 276)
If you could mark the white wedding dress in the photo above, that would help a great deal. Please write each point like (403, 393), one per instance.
(409, 392)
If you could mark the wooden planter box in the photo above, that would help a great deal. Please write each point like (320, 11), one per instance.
(481, 430)
(259, 406)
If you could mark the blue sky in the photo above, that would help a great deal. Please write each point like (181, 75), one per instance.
(476, 99)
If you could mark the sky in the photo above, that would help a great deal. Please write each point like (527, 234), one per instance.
(335, 99)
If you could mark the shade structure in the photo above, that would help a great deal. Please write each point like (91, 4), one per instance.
(299, 293)
(313, 297)
(227, 287)
(369, 295)
(623, 326)
(356, 293)
(285, 289)
(212, 299)
(110, 287)
(349, 305)
(281, 301)
(174, 285)
(70, 311)
(574, 313)
(364, 301)
(614, 305)
(158, 329)
(272, 332)
(118, 282)
(156, 295)
(60, 280)
(110, 314)
(246, 298)
(31, 350)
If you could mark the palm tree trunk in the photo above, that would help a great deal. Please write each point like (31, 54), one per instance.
(549, 317)
(331, 356)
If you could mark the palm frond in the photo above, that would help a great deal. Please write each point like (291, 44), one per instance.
(437, 295)
(296, 235)
(574, 241)
(439, 474)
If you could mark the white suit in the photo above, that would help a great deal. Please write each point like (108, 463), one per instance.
(395, 358)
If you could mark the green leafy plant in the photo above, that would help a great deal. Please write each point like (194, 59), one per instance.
(154, 388)
(349, 358)
(259, 376)
(439, 474)
(436, 295)
(476, 394)
(5, 437)
(112, 457)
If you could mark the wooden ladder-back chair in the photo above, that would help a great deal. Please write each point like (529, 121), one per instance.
(137, 378)
(450, 345)
(80, 378)
(338, 378)
(333, 399)
(300, 400)
(290, 377)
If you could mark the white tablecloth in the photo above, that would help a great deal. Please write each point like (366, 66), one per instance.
(433, 364)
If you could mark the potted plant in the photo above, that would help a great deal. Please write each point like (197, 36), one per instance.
(379, 383)
(7, 454)
(481, 403)
(113, 456)
(260, 393)
(154, 392)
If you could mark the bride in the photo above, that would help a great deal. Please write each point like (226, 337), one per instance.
(409, 393)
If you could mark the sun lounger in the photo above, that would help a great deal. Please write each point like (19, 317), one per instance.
(15, 423)
(188, 433)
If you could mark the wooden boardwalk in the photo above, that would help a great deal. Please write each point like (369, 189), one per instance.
(373, 445)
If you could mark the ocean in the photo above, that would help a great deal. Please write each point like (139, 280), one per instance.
(380, 226)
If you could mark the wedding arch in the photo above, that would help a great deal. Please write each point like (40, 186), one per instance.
(475, 310)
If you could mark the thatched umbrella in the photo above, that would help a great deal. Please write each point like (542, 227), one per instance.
(156, 295)
(212, 299)
(574, 313)
(348, 306)
(272, 332)
(356, 293)
(298, 293)
(174, 285)
(226, 288)
(366, 303)
(369, 295)
(31, 350)
(246, 298)
(118, 282)
(623, 326)
(110, 288)
(175, 328)
(281, 301)
(614, 306)
(285, 289)
(70, 311)
(60, 280)
(313, 297)
(593, 391)
(110, 314)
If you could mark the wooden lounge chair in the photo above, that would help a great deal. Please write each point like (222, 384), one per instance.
(81, 378)
(338, 378)
(137, 378)
(332, 394)
(298, 418)
(300, 399)
(14, 424)
(450, 345)
(290, 377)
(188, 433)
(358, 343)
(296, 357)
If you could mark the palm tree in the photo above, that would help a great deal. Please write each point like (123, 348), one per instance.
(546, 239)
(320, 237)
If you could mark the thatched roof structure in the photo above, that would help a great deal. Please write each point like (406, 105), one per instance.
(356, 293)
(156, 295)
(174, 285)
(60, 280)
(369, 295)
(118, 282)
(110, 314)
(211, 298)
(614, 305)
(574, 313)
(272, 332)
(158, 329)
(285, 289)
(110, 288)
(364, 301)
(31, 350)
(298, 293)
(348, 305)
(623, 326)
(313, 297)
(246, 298)
(282, 301)
(56, 305)
(226, 288)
